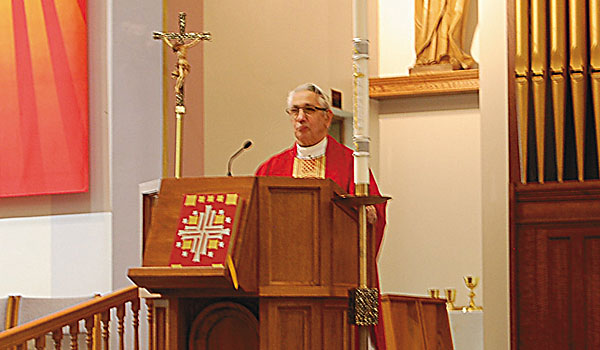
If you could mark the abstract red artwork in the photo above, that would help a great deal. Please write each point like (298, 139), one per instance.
(44, 100)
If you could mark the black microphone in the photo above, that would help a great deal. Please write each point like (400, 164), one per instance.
(246, 145)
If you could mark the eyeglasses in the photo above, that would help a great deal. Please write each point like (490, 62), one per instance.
(308, 110)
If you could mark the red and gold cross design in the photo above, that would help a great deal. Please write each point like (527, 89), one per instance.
(206, 225)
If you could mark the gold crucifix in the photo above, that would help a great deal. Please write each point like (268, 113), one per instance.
(179, 43)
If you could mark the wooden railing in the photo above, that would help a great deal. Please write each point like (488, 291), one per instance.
(94, 314)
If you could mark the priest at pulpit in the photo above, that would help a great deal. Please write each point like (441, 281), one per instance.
(315, 154)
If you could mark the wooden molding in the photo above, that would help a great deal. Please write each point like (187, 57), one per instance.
(555, 203)
(554, 191)
(438, 83)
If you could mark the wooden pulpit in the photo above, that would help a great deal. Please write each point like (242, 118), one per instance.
(294, 257)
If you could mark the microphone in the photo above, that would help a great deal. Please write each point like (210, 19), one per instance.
(245, 146)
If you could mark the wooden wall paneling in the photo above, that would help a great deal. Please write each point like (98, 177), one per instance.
(292, 324)
(436, 324)
(296, 255)
(569, 202)
(344, 262)
(591, 265)
(290, 263)
(410, 334)
(526, 319)
(149, 201)
(325, 237)
(416, 323)
(344, 268)
(513, 255)
(265, 321)
(337, 332)
(555, 280)
(302, 323)
(245, 254)
(295, 329)
(159, 325)
(577, 286)
(555, 266)
(175, 334)
(568, 211)
(556, 303)
(263, 329)
(580, 283)
(541, 278)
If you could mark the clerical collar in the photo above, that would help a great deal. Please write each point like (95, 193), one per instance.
(312, 152)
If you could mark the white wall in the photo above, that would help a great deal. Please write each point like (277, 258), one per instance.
(135, 114)
(430, 163)
(55, 256)
(483, 245)
(396, 37)
(260, 51)
(494, 154)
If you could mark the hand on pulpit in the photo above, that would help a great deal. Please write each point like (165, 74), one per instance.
(371, 214)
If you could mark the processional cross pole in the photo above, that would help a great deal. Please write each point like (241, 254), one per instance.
(180, 43)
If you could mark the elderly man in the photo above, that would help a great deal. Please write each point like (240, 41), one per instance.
(318, 155)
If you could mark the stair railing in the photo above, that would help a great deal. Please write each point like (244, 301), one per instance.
(94, 314)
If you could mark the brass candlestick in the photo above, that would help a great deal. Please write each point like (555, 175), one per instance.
(434, 293)
(471, 282)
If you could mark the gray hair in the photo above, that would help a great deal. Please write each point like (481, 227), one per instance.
(323, 99)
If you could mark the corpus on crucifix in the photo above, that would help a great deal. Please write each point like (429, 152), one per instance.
(180, 43)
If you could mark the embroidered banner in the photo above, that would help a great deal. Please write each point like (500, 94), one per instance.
(206, 226)
(44, 108)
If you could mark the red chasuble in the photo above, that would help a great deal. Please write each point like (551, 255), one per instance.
(339, 166)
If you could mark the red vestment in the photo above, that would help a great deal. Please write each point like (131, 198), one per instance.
(339, 166)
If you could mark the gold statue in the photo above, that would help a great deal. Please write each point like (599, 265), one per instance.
(439, 34)
(177, 42)
(182, 66)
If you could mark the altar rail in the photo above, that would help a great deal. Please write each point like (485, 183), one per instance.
(93, 315)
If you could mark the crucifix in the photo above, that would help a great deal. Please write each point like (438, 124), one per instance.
(179, 43)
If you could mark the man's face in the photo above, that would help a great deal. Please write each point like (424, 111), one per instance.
(309, 129)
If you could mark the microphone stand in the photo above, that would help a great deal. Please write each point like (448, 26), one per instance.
(244, 147)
